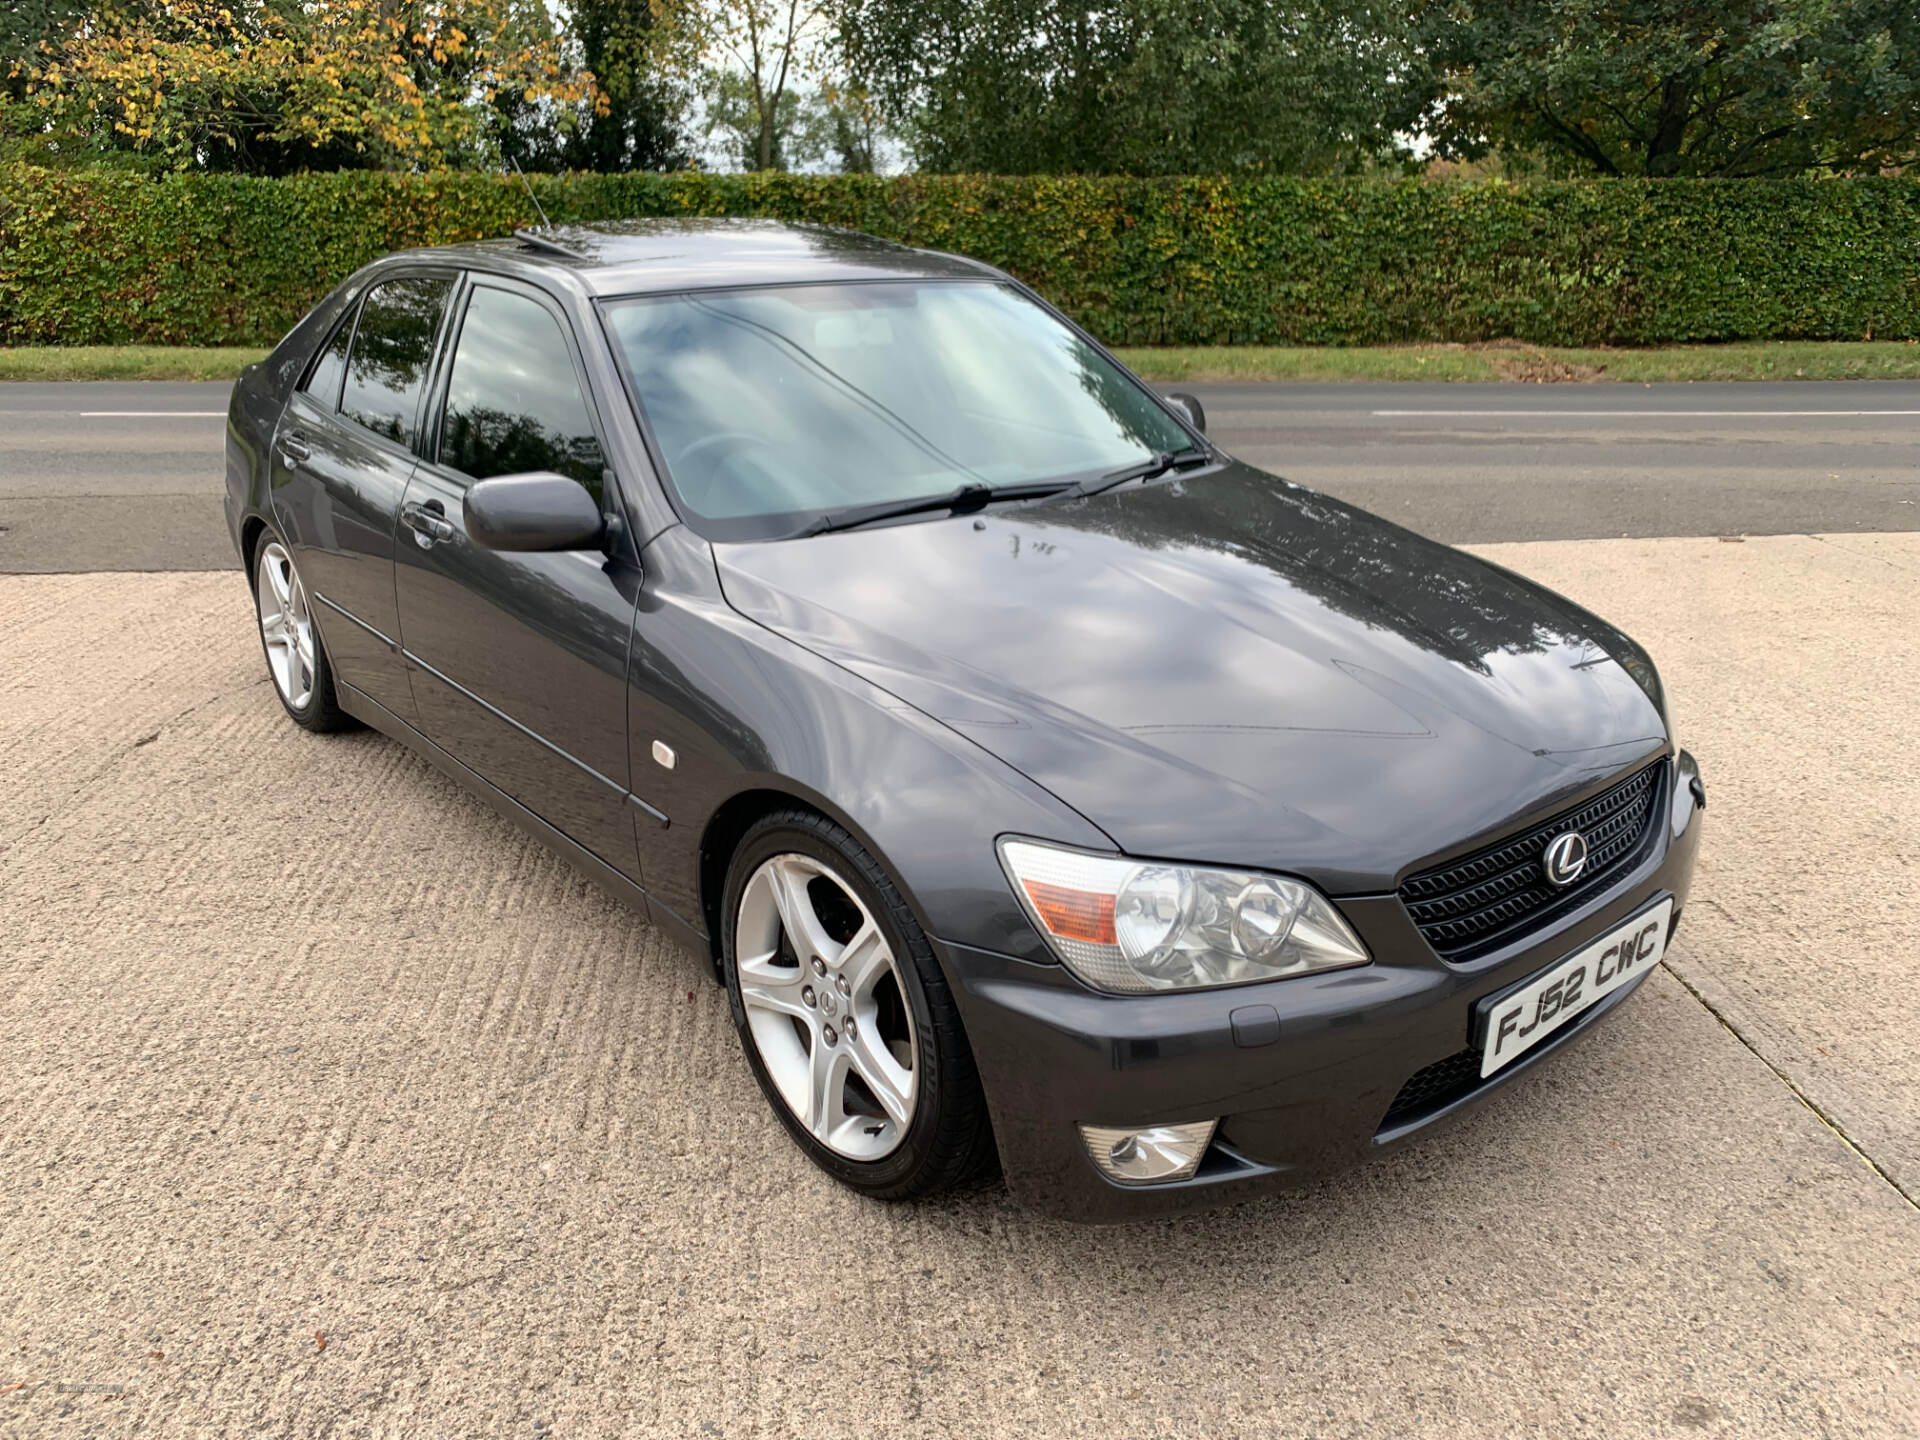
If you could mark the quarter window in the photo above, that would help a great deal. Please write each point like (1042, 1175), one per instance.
(391, 350)
(328, 371)
(513, 400)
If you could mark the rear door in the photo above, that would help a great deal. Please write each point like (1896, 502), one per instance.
(519, 661)
(341, 461)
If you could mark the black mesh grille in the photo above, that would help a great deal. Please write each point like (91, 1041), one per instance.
(1471, 905)
(1441, 1083)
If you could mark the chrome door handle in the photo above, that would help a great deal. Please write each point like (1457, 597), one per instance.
(294, 449)
(428, 521)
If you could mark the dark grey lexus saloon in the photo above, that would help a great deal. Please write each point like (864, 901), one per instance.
(1044, 784)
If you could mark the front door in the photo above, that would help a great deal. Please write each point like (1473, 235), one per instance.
(519, 661)
(341, 461)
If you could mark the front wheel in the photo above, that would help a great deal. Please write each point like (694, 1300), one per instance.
(844, 1015)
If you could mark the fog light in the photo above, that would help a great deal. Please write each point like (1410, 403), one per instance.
(1152, 1156)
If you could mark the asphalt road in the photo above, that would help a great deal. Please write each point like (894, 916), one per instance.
(1479, 463)
(331, 1106)
(127, 476)
(112, 476)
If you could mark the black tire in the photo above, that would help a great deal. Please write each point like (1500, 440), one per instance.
(949, 1141)
(321, 713)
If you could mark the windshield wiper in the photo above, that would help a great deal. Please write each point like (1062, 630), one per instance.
(1149, 469)
(961, 501)
(965, 499)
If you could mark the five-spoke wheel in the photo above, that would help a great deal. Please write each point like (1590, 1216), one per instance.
(825, 1006)
(286, 625)
(845, 1017)
(295, 657)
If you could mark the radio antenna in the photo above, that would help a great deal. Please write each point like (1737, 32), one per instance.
(545, 223)
(543, 238)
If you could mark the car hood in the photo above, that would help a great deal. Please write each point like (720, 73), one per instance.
(1227, 667)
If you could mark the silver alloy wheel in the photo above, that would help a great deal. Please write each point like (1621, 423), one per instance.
(285, 625)
(828, 1015)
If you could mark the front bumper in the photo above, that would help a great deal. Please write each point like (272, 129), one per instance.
(1301, 1072)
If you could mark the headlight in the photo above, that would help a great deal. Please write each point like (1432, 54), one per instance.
(1638, 664)
(1134, 926)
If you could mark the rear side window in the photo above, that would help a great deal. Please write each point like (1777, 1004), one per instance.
(328, 371)
(391, 349)
(513, 400)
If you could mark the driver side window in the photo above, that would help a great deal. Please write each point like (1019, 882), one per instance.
(513, 399)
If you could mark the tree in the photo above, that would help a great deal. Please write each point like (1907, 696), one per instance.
(751, 137)
(765, 47)
(1142, 86)
(839, 126)
(1675, 87)
(27, 29)
(640, 55)
(826, 127)
(272, 85)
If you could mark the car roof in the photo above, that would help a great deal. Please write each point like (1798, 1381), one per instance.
(638, 257)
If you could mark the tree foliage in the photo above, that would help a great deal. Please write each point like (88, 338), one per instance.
(840, 128)
(641, 55)
(1139, 87)
(25, 27)
(1674, 87)
(1654, 88)
(28, 31)
(273, 85)
(825, 127)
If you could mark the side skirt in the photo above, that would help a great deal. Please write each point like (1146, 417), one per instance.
(370, 711)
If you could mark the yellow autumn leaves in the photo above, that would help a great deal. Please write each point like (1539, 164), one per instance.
(405, 78)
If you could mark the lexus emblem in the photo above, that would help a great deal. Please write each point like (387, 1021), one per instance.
(1566, 857)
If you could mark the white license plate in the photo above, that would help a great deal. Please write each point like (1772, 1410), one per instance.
(1522, 1018)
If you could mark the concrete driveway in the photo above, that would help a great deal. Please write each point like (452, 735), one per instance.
(331, 1106)
(328, 1105)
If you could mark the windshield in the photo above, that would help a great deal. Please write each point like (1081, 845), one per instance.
(774, 406)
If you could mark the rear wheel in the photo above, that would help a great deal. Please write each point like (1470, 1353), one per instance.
(296, 659)
(844, 1015)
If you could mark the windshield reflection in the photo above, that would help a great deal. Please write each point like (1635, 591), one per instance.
(776, 405)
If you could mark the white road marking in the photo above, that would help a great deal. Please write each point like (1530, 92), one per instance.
(147, 414)
(1640, 414)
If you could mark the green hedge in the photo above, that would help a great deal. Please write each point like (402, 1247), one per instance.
(92, 257)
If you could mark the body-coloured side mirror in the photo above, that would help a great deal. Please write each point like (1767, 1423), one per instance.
(536, 511)
(1190, 406)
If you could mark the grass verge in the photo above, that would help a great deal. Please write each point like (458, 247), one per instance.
(1757, 360)
(1264, 362)
(1497, 360)
(122, 362)
(1513, 360)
